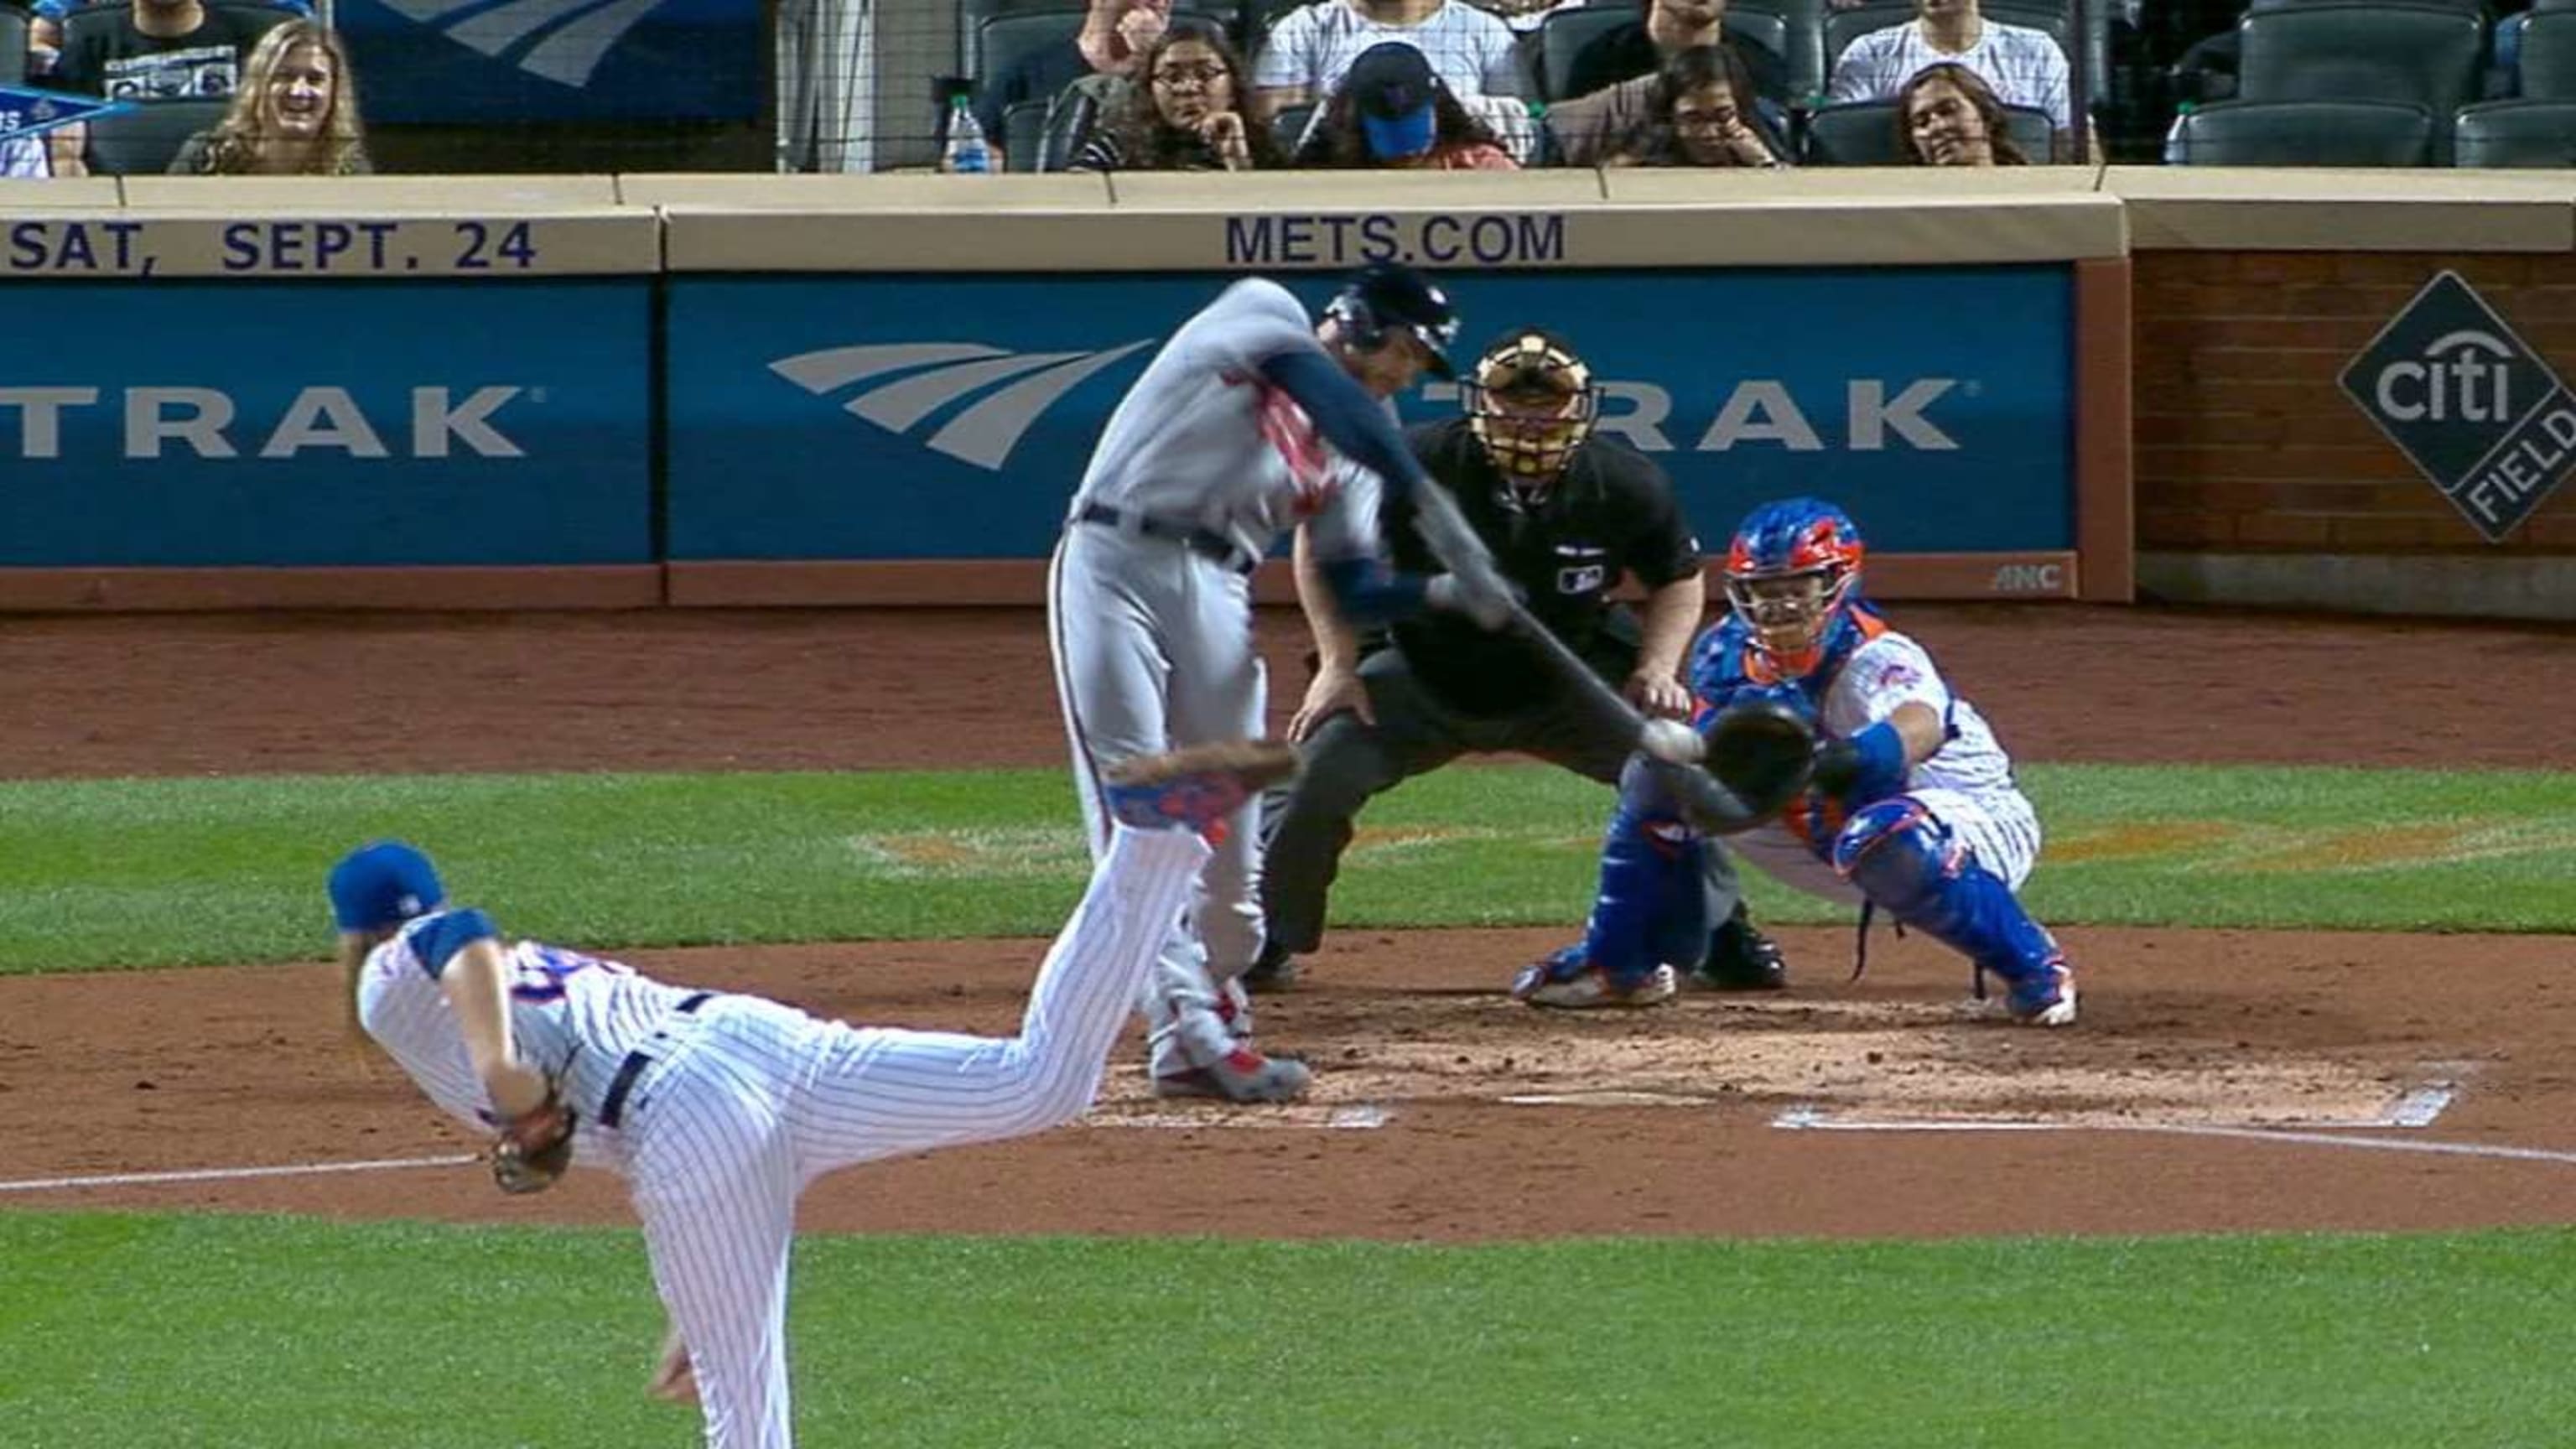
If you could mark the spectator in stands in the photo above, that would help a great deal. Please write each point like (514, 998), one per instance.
(22, 158)
(1613, 78)
(1188, 113)
(1391, 111)
(1639, 48)
(1097, 62)
(295, 115)
(1698, 113)
(158, 50)
(1948, 116)
(2021, 65)
(1312, 48)
(45, 38)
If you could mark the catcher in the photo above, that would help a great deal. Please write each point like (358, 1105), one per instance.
(1567, 513)
(718, 1108)
(1909, 804)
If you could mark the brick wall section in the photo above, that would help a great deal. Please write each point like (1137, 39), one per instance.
(2245, 443)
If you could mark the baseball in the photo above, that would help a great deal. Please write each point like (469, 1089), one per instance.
(1672, 742)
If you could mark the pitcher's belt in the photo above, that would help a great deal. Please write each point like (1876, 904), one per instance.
(613, 1106)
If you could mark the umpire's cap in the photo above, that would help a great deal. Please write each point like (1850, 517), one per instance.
(383, 884)
(1386, 296)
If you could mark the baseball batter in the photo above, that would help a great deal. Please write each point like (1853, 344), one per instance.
(1217, 449)
(1912, 807)
(719, 1108)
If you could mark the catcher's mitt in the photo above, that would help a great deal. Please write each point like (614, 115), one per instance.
(535, 1148)
(1762, 750)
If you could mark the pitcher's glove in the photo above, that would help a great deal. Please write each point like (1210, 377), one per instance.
(535, 1147)
(1762, 750)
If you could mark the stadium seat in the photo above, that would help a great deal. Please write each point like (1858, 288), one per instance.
(2426, 55)
(1803, 24)
(1563, 36)
(15, 21)
(1289, 127)
(144, 140)
(1023, 133)
(1864, 133)
(1005, 42)
(2546, 67)
(2516, 133)
(1855, 133)
(2302, 133)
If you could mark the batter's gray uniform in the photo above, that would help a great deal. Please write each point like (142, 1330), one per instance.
(1201, 468)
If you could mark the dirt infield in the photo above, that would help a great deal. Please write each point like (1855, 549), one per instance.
(2221, 1080)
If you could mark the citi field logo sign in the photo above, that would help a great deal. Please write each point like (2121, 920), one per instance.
(2469, 404)
(924, 377)
(576, 34)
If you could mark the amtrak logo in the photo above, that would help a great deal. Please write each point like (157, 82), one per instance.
(573, 35)
(933, 375)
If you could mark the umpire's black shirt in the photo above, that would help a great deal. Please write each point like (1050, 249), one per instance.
(1612, 512)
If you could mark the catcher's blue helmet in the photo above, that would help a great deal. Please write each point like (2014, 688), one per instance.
(1389, 296)
(1790, 570)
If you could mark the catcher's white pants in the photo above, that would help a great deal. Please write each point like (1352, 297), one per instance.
(1998, 825)
(1153, 651)
(754, 1100)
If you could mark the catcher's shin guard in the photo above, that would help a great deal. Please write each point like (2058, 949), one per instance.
(1650, 910)
(1909, 863)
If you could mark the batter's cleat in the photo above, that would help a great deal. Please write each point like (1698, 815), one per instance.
(1270, 973)
(1241, 1075)
(1740, 958)
(1567, 982)
(1198, 787)
(2044, 999)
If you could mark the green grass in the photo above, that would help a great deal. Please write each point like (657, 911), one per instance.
(282, 1333)
(187, 871)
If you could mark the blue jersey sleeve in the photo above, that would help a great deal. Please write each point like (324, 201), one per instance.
(437, 940)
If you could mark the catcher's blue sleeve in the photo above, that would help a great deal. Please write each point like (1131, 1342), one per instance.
(1650, 910)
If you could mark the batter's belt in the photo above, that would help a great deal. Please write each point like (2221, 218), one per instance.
(1204, 542)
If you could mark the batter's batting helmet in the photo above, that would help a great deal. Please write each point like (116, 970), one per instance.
(1531, 401)
(1388, 297)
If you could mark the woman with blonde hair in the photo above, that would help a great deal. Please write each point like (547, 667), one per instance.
(296, 113)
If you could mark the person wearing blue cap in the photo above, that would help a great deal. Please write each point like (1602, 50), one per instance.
(1391, 111)
(718, 1108)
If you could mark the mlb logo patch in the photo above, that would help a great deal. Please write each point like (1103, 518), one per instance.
(2468, 403)
(1585, 579)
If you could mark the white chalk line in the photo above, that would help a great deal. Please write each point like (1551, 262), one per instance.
(1364, 1117)
(2417, 1108)
(230, 1174)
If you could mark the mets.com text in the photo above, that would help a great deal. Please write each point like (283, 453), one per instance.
(1488, 239)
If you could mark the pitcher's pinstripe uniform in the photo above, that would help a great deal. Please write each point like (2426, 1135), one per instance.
(718, 1109)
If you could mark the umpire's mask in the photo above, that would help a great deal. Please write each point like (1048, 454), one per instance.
(1531, 402)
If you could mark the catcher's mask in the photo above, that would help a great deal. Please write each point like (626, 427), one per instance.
(1389, 297)
(1531, 402)
(1792, 567)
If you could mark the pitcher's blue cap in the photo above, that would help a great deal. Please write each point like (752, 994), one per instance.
(382, 884)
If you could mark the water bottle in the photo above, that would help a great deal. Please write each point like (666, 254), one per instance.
(967, 152)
